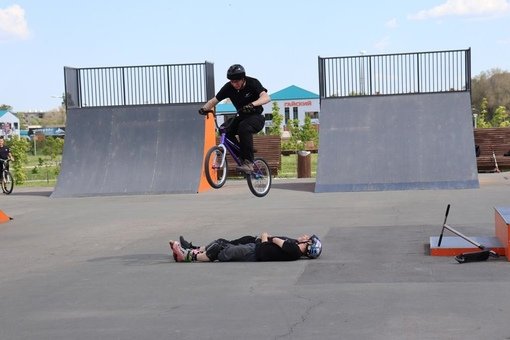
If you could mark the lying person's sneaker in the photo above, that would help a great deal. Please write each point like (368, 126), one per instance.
(171, 242)
(181, 255)
(187, 245)
(246, 167)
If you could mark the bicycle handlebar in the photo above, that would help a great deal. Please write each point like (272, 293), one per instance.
(205, 112)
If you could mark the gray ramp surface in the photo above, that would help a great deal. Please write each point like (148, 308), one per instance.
(131, 150)
(422, 141)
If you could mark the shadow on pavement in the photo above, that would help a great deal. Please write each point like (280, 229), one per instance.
(305, 186)
(44, 193)
(137, 259)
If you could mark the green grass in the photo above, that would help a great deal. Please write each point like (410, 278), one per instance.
(289, 166)
(38, 175)
(46, 176)
(34, 160)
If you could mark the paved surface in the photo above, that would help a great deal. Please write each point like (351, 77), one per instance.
(99, 267)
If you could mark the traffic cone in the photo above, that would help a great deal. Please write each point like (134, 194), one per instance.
(4, 218)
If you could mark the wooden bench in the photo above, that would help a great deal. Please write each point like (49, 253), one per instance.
(489, 140)
(293, 152)
(267, 147)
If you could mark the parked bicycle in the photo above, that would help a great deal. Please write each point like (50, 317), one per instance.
(216, 167)
(7, 179)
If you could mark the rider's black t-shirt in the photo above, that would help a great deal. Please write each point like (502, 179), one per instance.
(248, 94)
(4, 152)
(267, 251)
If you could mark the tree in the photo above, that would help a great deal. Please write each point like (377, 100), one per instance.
(482, 119)
(277, 119)
(22, 120)
(19, 147)
(56, 117)
(309, 132)
(53, 146)
(5, 107)
(300, 135)
(500, 117)
(492, 90)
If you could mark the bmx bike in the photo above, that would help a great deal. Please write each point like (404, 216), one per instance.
(7, 181)
(216, 167)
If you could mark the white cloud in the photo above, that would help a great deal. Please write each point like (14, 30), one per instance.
(504, 41)
(13, 24)
(382, 45)
(464, 8)
(392, 23)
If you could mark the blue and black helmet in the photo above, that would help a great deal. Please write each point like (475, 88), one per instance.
(314, 247)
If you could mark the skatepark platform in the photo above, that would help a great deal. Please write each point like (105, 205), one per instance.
(499, 243)
(454, 245)
(135, 130)
(400, 142)
(153, 149)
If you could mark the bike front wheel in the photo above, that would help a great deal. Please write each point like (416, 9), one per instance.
(7, 182)
(259, 181)
(215, 167)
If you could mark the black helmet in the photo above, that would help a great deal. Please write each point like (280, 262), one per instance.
(236, 72)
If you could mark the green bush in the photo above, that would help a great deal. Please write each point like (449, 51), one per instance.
(19, 147)
(300, 135)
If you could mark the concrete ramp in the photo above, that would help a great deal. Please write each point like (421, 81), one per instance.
(402, 142)
(153, 149)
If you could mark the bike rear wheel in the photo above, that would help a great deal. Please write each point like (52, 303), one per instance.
(7, 182)
(259, 181)
(215, 172)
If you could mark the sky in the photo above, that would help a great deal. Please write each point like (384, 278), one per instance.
(278, 42)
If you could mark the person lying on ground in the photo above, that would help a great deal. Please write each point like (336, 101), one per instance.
(249, 249)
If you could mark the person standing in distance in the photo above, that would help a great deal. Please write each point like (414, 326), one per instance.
(5, 154)
(247, 95)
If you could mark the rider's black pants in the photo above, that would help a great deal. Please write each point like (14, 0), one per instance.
(245, 126)
(4, 166)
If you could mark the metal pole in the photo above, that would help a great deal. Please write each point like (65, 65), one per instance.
(463, 236)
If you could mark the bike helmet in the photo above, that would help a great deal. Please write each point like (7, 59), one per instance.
(314, 248)
(236, 72)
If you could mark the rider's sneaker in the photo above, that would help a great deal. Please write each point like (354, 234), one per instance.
(246, 167)
(181, 255)
(187, 245)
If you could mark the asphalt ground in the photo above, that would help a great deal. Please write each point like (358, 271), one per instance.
(100, 267)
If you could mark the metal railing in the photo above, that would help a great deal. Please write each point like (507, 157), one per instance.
(395, 74)
(139, 85)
